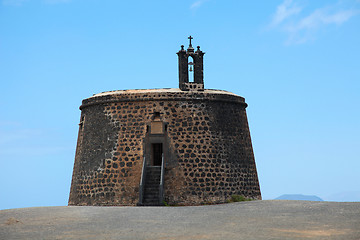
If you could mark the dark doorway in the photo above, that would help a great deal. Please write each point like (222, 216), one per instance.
(157, 152)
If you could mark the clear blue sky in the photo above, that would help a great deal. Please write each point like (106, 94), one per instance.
(297, 63)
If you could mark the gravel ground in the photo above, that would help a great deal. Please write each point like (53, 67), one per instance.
(275, 219)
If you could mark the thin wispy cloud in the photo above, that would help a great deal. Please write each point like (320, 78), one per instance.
(15, 135)
(56, 1)
(197, 4)
(19, 3)
(284, 11)
(25, 151)
(301, 28)
(13, 2)
(18, 141)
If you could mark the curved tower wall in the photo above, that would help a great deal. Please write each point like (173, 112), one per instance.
(207, 153)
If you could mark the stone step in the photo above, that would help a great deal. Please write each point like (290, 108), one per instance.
(157, 174)
(151, 200)
(150, 168)
(151, 188)
(157, 181)
(153, 194)
(153, 204)
(152, 179)
(152, 175)
(154, 200)
(146, 194)
(154, 183)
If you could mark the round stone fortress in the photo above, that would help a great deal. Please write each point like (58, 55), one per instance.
(184, 146)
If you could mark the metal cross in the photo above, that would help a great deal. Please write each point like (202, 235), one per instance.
(190, 39)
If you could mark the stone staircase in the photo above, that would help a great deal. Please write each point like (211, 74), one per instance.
(152, 184)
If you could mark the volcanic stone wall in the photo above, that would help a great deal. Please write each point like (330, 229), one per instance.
(209, 155)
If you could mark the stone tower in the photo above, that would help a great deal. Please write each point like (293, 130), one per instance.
(184, 146)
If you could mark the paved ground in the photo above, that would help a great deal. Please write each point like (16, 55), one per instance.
(245, 220)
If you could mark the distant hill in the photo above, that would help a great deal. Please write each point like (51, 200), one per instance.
(299, 197)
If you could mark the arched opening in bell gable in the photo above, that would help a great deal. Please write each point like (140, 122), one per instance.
(191, 68)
